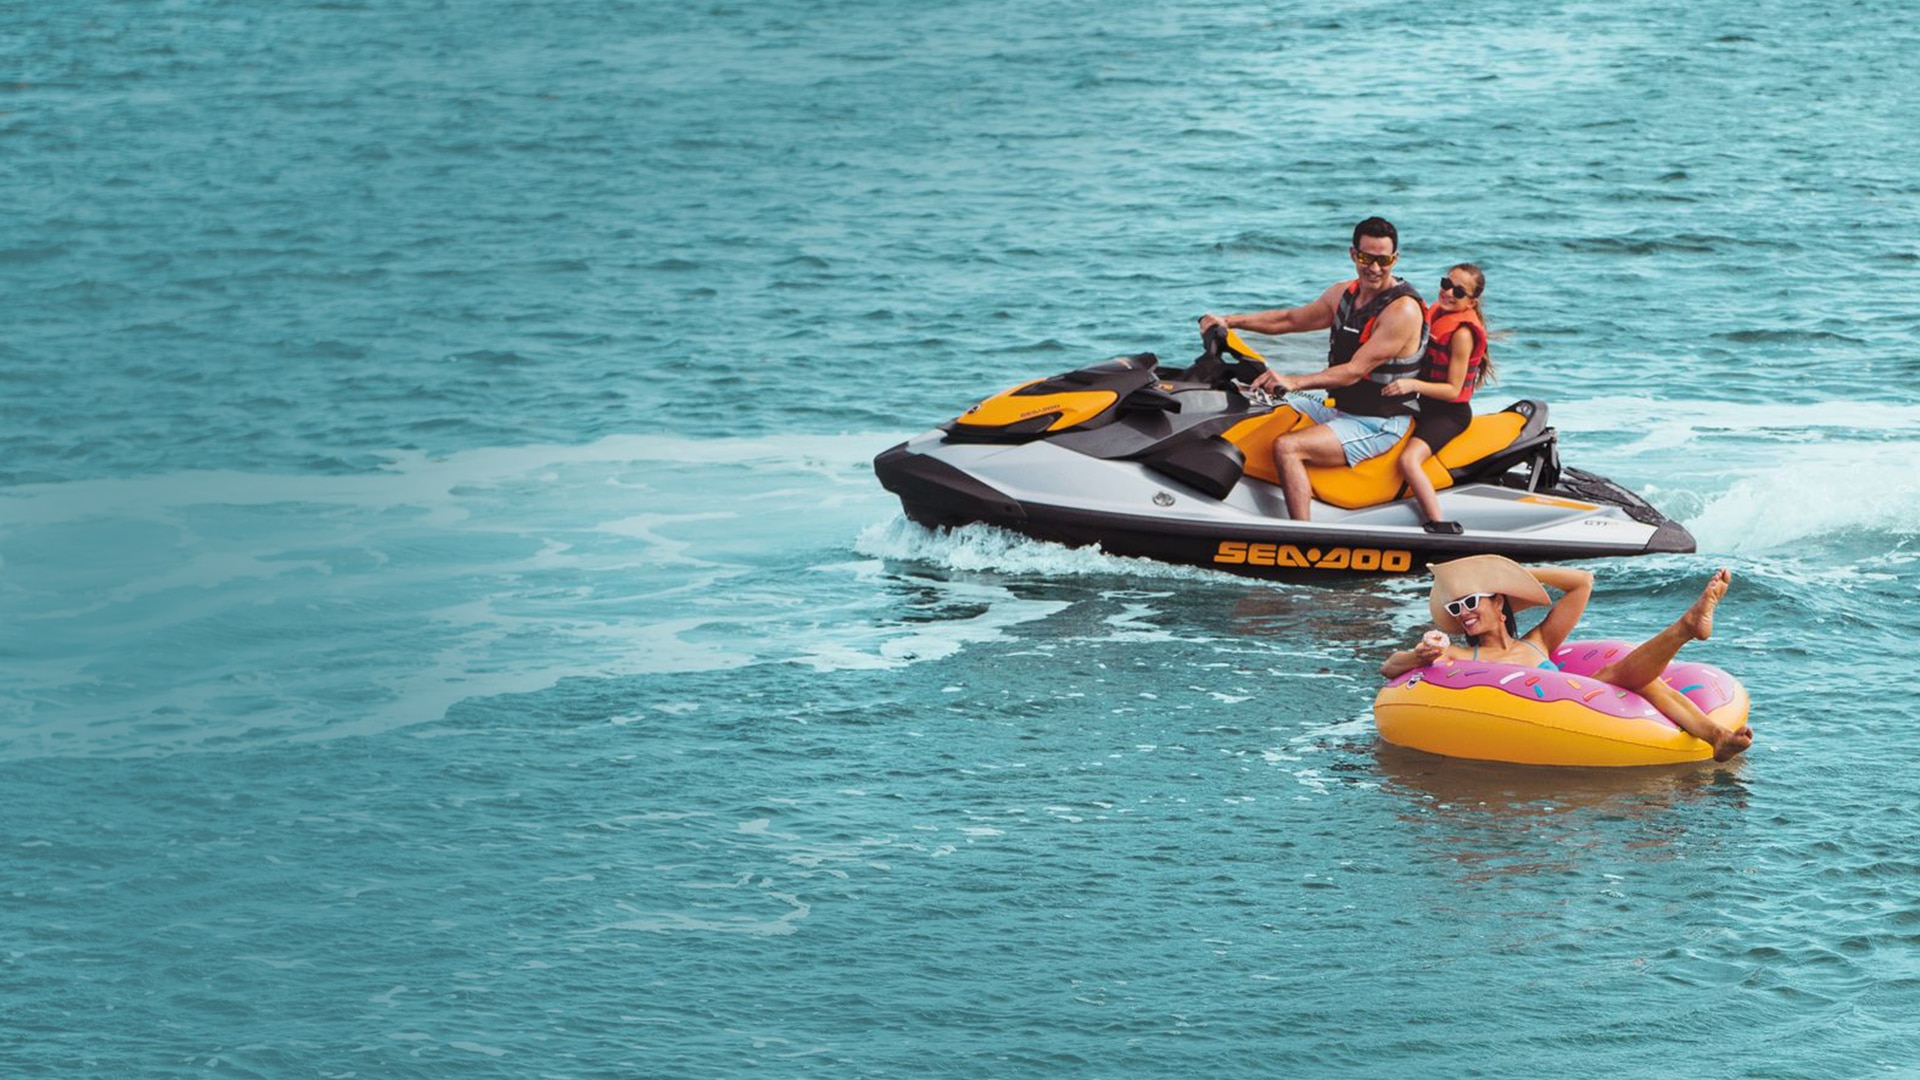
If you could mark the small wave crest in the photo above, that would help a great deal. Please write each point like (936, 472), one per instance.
(975, 548)
(1803, 501)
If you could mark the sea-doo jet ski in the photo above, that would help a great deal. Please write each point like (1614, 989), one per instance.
(1176, 464)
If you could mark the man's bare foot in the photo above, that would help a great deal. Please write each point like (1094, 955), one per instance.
(1733, 742)
(1698, 620)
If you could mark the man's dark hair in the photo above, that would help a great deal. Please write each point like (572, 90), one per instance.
(1376, 226)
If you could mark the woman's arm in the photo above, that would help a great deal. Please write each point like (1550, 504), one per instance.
(1576, 588)
(1421, 655)
(1399, 664)
(1457, 357)
(1460, 352)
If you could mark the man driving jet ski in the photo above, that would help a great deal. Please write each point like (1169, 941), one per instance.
(1378, 331)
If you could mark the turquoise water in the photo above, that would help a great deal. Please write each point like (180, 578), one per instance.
(451, 627)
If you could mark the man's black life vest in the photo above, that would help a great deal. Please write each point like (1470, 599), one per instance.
(1351, 329)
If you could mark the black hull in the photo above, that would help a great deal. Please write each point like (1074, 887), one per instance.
(937, 495)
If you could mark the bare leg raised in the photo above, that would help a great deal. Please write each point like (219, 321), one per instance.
(1651, 657)
(1640, 671)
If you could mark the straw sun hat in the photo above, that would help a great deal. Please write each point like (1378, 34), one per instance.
(1495, 574)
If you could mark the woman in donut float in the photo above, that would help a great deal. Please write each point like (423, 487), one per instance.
(1537, 698)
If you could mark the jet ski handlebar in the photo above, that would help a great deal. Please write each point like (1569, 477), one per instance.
(1224, 360)
(1218, 339)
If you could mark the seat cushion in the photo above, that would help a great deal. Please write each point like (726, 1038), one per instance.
(1377, 479)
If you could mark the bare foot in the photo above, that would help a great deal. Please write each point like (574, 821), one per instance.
(1698, 620)
(1733, 742)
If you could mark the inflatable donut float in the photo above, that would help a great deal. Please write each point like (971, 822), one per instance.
(1533, 716)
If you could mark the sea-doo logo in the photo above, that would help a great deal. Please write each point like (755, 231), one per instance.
(1340, 558)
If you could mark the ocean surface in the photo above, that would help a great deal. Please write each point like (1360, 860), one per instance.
(449, 626)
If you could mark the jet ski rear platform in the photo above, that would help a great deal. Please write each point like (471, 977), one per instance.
(1175, 465)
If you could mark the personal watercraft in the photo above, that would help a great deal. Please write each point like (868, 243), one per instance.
(1176, 464)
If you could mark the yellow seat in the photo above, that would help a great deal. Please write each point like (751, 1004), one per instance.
(1377, 479)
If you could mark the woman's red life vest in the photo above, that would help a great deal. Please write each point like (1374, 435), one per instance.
(1441, 326)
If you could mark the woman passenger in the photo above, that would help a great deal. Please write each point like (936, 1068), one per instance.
(1456, 364)
(1478, 595)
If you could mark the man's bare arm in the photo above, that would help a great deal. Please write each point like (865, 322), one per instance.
(1393, 336)
(1316, 314)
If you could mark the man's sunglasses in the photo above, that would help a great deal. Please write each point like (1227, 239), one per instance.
(1448, 285)
(1469, 602)
(1368, 259)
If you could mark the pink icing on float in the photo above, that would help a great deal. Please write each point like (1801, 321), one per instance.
(1506, 712)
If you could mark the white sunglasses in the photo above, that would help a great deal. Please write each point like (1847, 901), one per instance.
(1466, 603)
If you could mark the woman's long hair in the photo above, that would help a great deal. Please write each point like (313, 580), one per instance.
(1485, 374)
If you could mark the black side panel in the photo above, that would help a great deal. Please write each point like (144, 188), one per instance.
(1211, 465)
(1670, 539)
(935, 493)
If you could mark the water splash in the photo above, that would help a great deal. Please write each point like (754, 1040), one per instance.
(984, 548)
(1847, 493)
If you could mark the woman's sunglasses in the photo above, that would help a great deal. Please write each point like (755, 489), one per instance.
(1368, 259)
(1448, 285)
(1469, 602)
